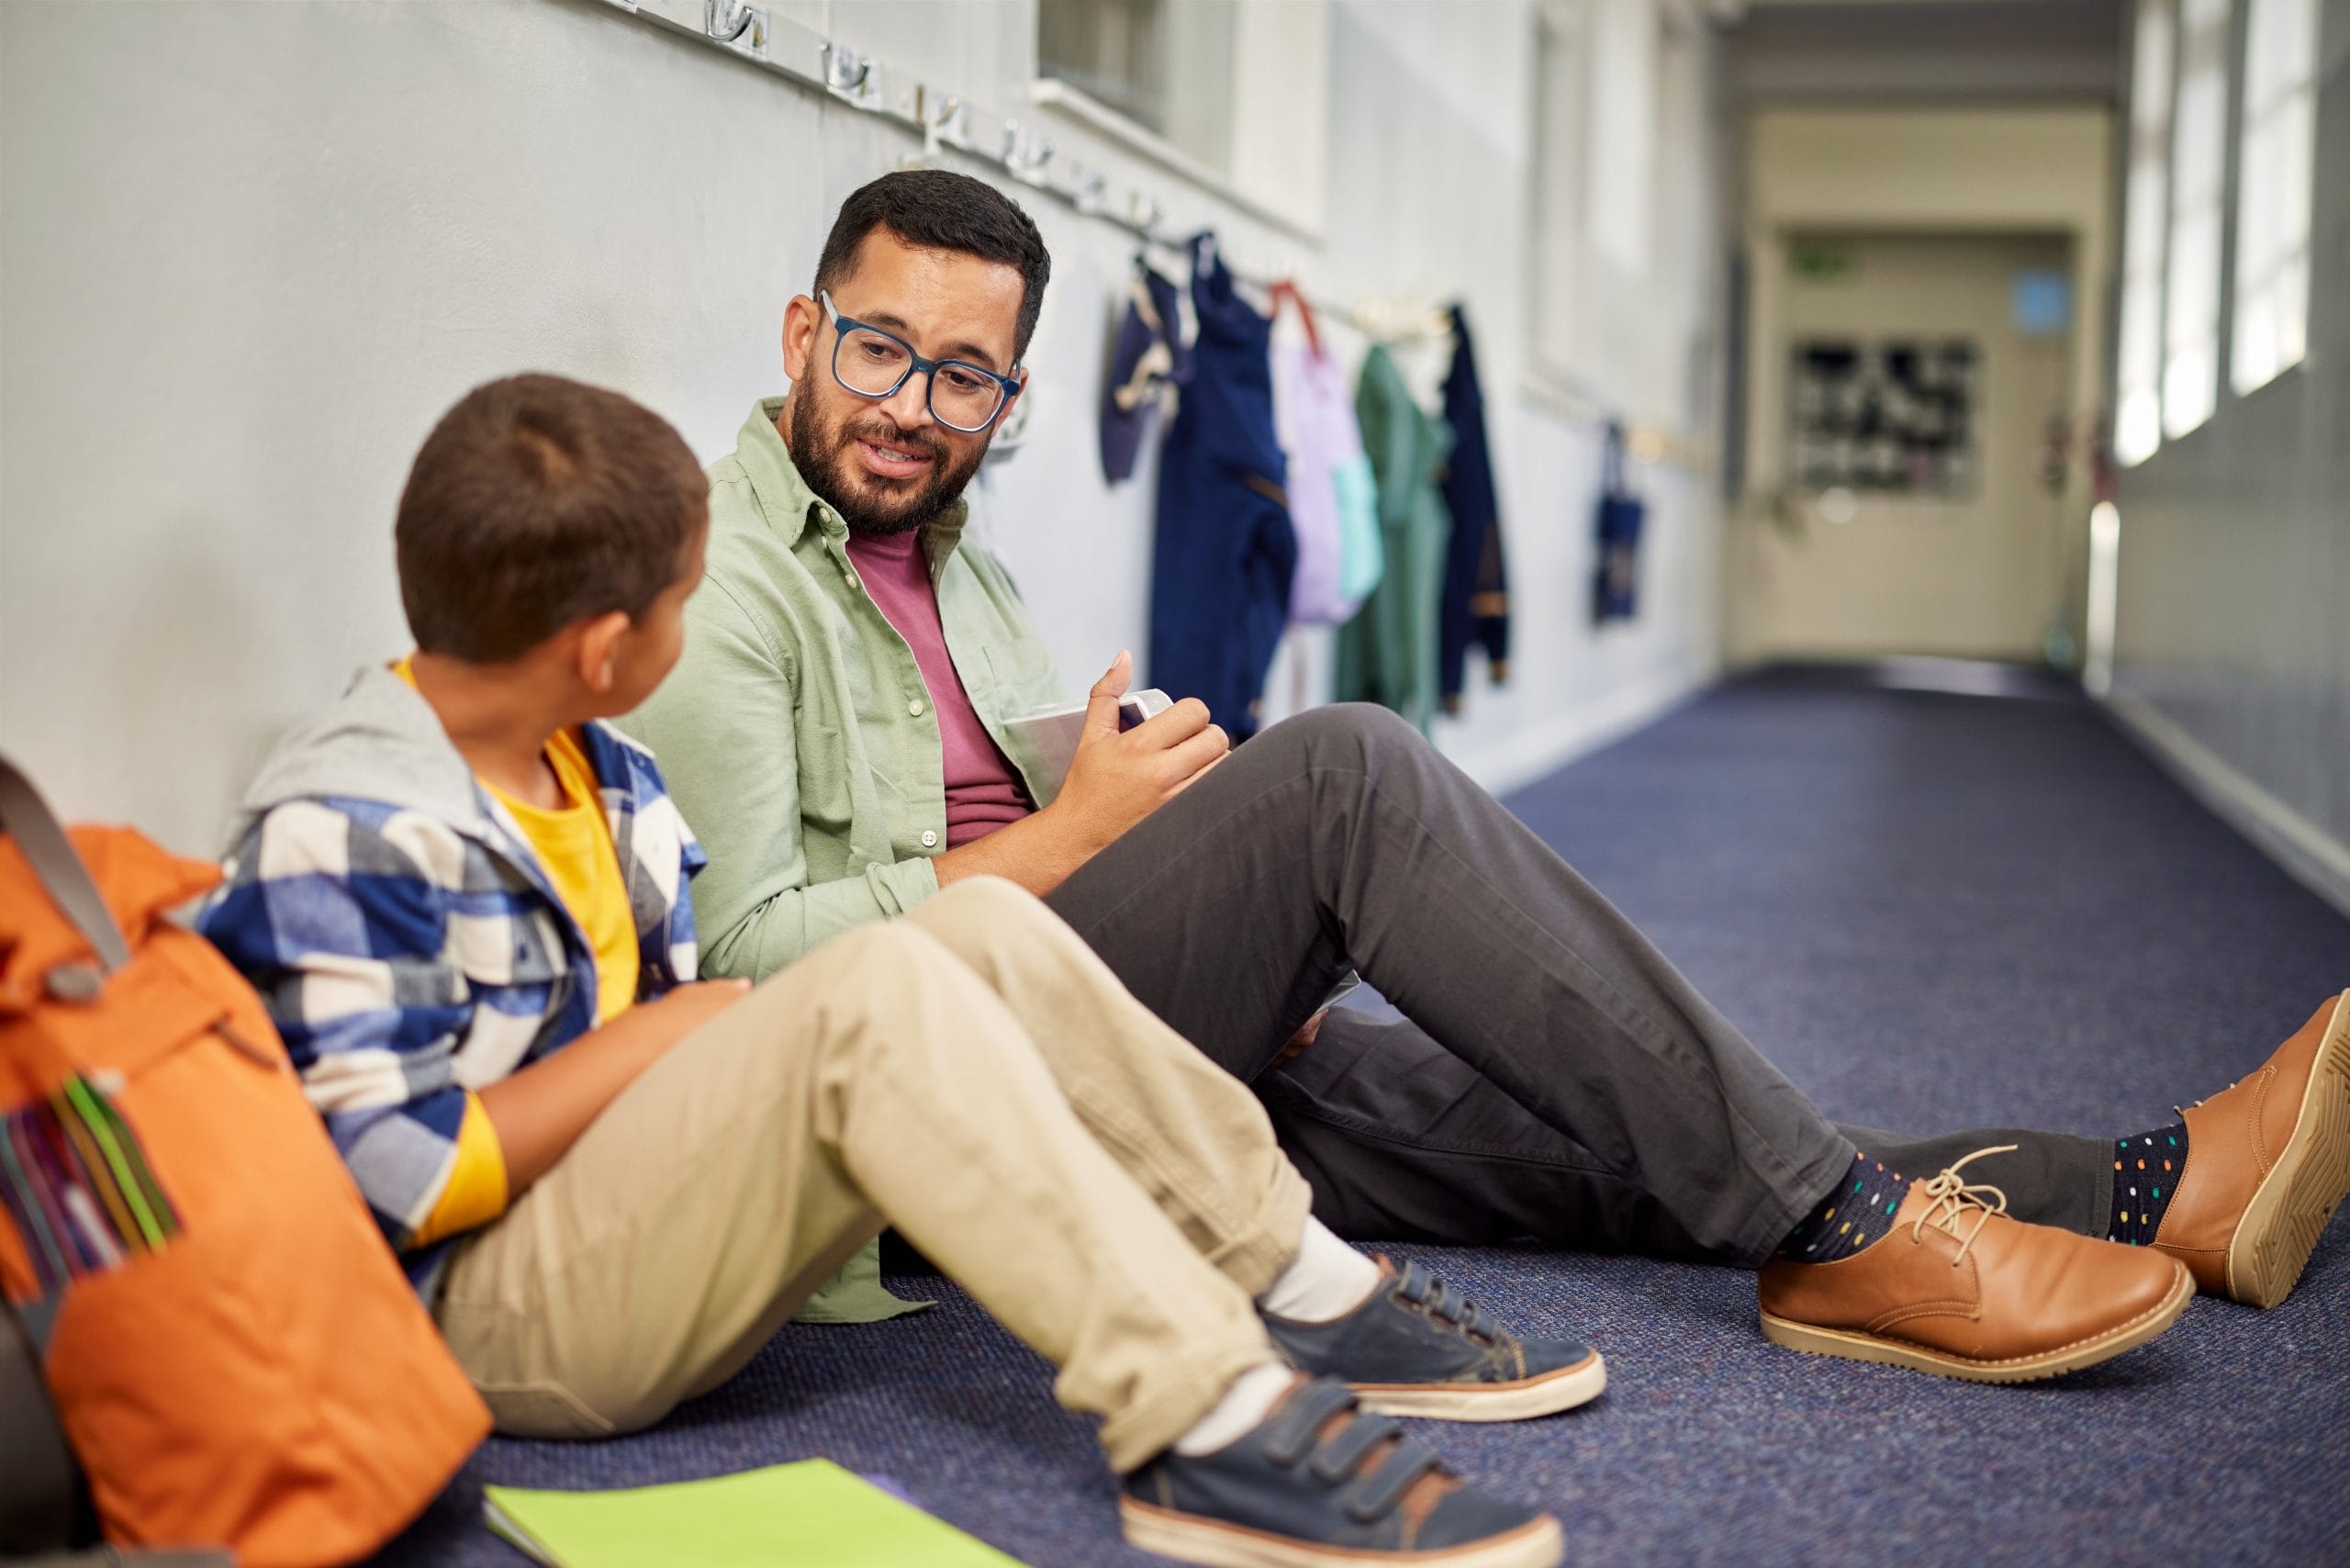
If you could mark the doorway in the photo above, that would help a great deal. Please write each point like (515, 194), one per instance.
(1917, 391)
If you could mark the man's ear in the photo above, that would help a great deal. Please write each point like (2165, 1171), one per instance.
(599, 649)
(802, 320)
(1021, 376)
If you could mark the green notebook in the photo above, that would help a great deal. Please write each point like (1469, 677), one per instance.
(808, 1515)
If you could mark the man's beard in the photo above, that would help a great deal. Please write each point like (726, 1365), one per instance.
(868, 503)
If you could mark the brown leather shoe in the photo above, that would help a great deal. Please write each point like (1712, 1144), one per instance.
(2268, 1162)
(1959, 1290)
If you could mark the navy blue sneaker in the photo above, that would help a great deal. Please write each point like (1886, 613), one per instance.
(1418, 1348)
(1318, 1484)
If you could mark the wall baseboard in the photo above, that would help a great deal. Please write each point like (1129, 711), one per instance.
(2313, 857)
(1544, 748)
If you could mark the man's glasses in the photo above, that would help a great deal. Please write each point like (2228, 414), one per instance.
(874, 364)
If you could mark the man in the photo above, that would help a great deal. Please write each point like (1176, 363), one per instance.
(838, 731)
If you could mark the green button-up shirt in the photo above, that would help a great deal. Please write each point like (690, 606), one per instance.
(798, 737)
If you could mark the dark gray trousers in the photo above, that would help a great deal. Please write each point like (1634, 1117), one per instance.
(1555, 1078)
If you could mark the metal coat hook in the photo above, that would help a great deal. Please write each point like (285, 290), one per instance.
(1025, 153)
(850, 74)
(741, 26)
(946, 122)
(1143, 215)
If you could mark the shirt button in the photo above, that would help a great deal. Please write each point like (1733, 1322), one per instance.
(913, 709)
(929, 839)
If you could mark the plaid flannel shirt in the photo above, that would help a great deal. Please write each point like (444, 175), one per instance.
(410, 958)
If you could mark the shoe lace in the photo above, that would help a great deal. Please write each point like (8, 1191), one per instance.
(2180, 1110)
(1950, 1196)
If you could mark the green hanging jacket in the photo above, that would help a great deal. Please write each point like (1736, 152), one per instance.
(1387, 654)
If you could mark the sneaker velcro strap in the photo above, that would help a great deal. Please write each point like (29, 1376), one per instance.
(1344, 1453)
(1374, 1496)
(1432, 1296)
(1291, 1432)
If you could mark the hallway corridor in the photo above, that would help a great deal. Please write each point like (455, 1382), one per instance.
(1933, 909)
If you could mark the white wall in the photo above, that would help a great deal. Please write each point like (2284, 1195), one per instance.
(2233, 639)
(249, 253)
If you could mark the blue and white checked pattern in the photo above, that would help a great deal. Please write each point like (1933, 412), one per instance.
(408, 960)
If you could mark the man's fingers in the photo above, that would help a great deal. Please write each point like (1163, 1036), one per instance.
(1102, 701)
(1117, 678)
(1178, 724)
(1197, 755)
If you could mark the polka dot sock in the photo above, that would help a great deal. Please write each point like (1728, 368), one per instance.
(1859, 1210)
(2146, 1168)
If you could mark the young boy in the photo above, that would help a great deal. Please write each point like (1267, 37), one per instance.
(465, 902)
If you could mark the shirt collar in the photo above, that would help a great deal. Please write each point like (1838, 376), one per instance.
(788, 505)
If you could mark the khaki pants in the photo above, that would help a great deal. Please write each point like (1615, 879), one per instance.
(970, 1074)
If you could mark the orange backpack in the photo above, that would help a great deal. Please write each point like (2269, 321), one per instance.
(232, 1349)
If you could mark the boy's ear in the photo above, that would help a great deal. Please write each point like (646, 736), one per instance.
(598, 655)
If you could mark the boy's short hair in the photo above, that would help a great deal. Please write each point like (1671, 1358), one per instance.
(536, 502)
(937, 209)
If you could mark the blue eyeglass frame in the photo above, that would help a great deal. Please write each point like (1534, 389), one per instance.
(915, 365)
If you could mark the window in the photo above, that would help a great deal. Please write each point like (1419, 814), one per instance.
(1622, 184)
(1167, 65)
(1236, 97)
(2274, 178)
(1560, 161)
(2137, 425)
(2199, 166)
(1624, 92)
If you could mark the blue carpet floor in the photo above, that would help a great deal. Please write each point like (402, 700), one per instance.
(1933, 911)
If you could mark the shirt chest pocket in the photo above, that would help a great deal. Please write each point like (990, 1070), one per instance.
(1020, 677)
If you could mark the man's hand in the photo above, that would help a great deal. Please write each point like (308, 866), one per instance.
(1119, 777)
(1116, 780)
(1307, 1033)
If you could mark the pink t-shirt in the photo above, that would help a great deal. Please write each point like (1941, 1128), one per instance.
(983, 792)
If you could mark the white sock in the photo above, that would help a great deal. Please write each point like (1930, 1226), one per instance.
(1243, 1406)
(1327, 1279)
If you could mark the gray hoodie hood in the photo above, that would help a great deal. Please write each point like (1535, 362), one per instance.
(381, 742)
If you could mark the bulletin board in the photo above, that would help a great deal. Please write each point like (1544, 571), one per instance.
(1886, 416)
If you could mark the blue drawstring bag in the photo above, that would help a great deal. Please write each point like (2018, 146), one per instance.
(1616, 582)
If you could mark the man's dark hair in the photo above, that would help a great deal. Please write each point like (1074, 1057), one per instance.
(537, 501)
(939, 210)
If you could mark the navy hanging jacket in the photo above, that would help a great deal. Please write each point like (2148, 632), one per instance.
(1475, 608)
(1225, 554)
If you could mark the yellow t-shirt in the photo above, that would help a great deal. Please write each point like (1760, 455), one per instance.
(573, 843)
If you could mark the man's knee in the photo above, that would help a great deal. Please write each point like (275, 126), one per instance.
(1357, 729)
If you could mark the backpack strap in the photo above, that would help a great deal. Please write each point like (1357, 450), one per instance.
(27, 818)
(44, 1503)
